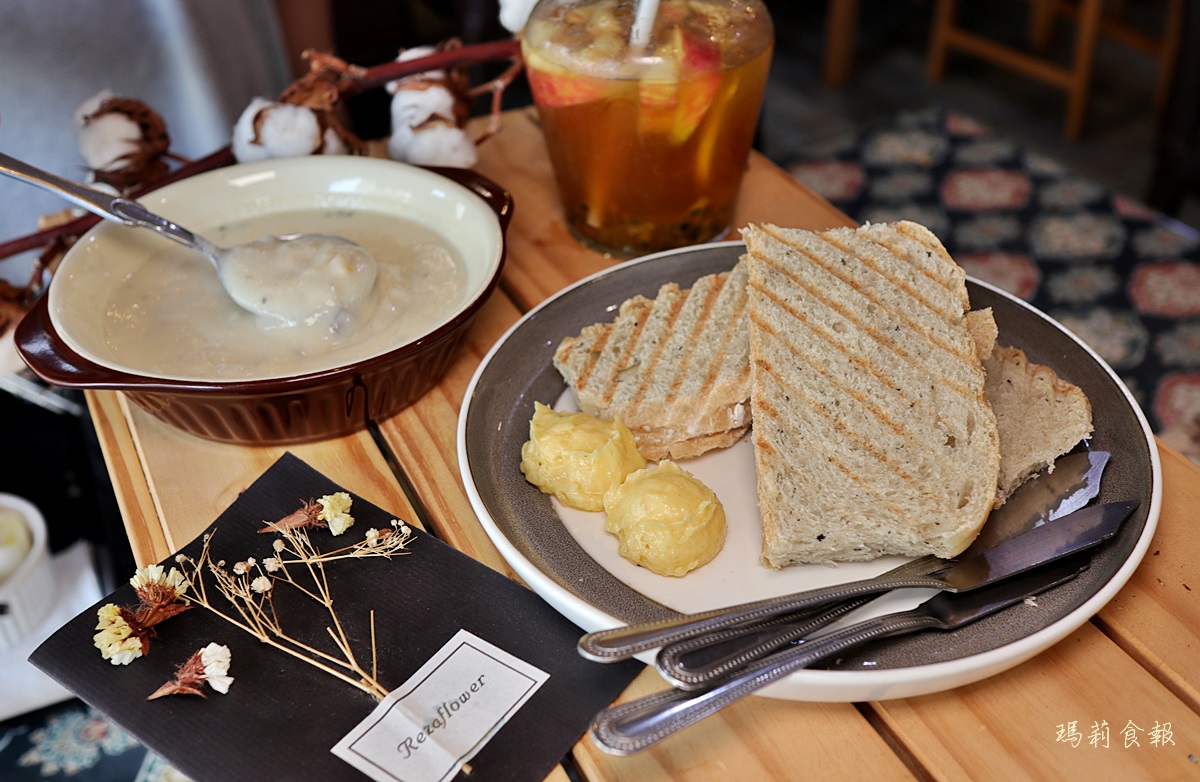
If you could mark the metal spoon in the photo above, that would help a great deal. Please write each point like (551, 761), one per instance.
(289, 279)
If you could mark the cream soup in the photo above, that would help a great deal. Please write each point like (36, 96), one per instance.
(172, 317)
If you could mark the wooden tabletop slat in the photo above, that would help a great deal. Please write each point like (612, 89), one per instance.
(423, 441)
(755, 739)
(1007, 727)
(1156, 617)
(205, 477)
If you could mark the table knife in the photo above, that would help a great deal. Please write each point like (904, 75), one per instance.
(693, 662)
(1068, 534)
(634, 726)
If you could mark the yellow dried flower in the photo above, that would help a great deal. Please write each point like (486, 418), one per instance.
(115, 638)
(335, 511)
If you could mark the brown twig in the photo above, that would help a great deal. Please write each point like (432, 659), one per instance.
(373, 78)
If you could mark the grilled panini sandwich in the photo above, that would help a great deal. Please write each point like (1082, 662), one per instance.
(675, 369)
(872, 431)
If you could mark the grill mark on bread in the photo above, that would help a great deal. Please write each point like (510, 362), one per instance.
(710, 299)
(836, 481)
(874, 333)
(934, 250)
(858, 396)
(799, 393)
(768, 411)
(966, 357)
(929, 274)
(674, 368)
(594, 350)
(651, 362)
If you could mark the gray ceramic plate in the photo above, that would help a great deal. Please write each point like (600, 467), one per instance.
(566, 557)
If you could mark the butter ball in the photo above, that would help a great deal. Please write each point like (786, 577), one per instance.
(577, 457)
(666, 520)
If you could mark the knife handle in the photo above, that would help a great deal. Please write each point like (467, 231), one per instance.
(724, 651)
(621, 643)
(732, 648)
(634, 726)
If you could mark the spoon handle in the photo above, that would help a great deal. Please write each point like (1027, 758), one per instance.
(121, 210)
(86, 197)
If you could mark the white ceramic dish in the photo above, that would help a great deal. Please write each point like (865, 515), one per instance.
(29, 592)
(566, 557)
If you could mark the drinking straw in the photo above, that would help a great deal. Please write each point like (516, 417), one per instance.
(643, 23)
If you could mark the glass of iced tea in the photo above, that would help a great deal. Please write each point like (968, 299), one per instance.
(648, 131)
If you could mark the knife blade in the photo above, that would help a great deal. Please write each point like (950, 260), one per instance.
(1074, 481)
(1080, 530)
(693, 662)
(634, 726)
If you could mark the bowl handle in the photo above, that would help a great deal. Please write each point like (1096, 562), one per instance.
(499, 199)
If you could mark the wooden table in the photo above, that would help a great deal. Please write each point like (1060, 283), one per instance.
(1138, 661)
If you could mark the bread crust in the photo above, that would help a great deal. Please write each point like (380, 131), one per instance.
(1040, 416)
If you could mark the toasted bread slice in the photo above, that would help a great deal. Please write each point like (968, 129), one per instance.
(872, 432)
(675, 368)
(1040, 416)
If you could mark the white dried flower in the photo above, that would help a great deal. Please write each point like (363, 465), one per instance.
(272, 564)
(241, 568)
(115, 638)
(278, 545)
(261, 585)
(153, 584)
(216, 659)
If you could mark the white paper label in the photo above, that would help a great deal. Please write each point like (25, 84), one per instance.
(426, 729)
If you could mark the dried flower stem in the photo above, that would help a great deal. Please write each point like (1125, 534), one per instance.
(249, 589)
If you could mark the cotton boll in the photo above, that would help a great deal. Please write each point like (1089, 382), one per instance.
(414, 53)
(90, 107)
(514, 13)
(411, 107)
(435, 144)
(283, 130)
(106, 139)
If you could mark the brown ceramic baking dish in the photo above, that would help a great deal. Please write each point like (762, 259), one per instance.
(283, 409)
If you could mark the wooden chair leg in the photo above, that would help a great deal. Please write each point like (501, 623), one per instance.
(1043, 14)
(841, 34)
(943, 19)
(1172, 37)
(1087, 32)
